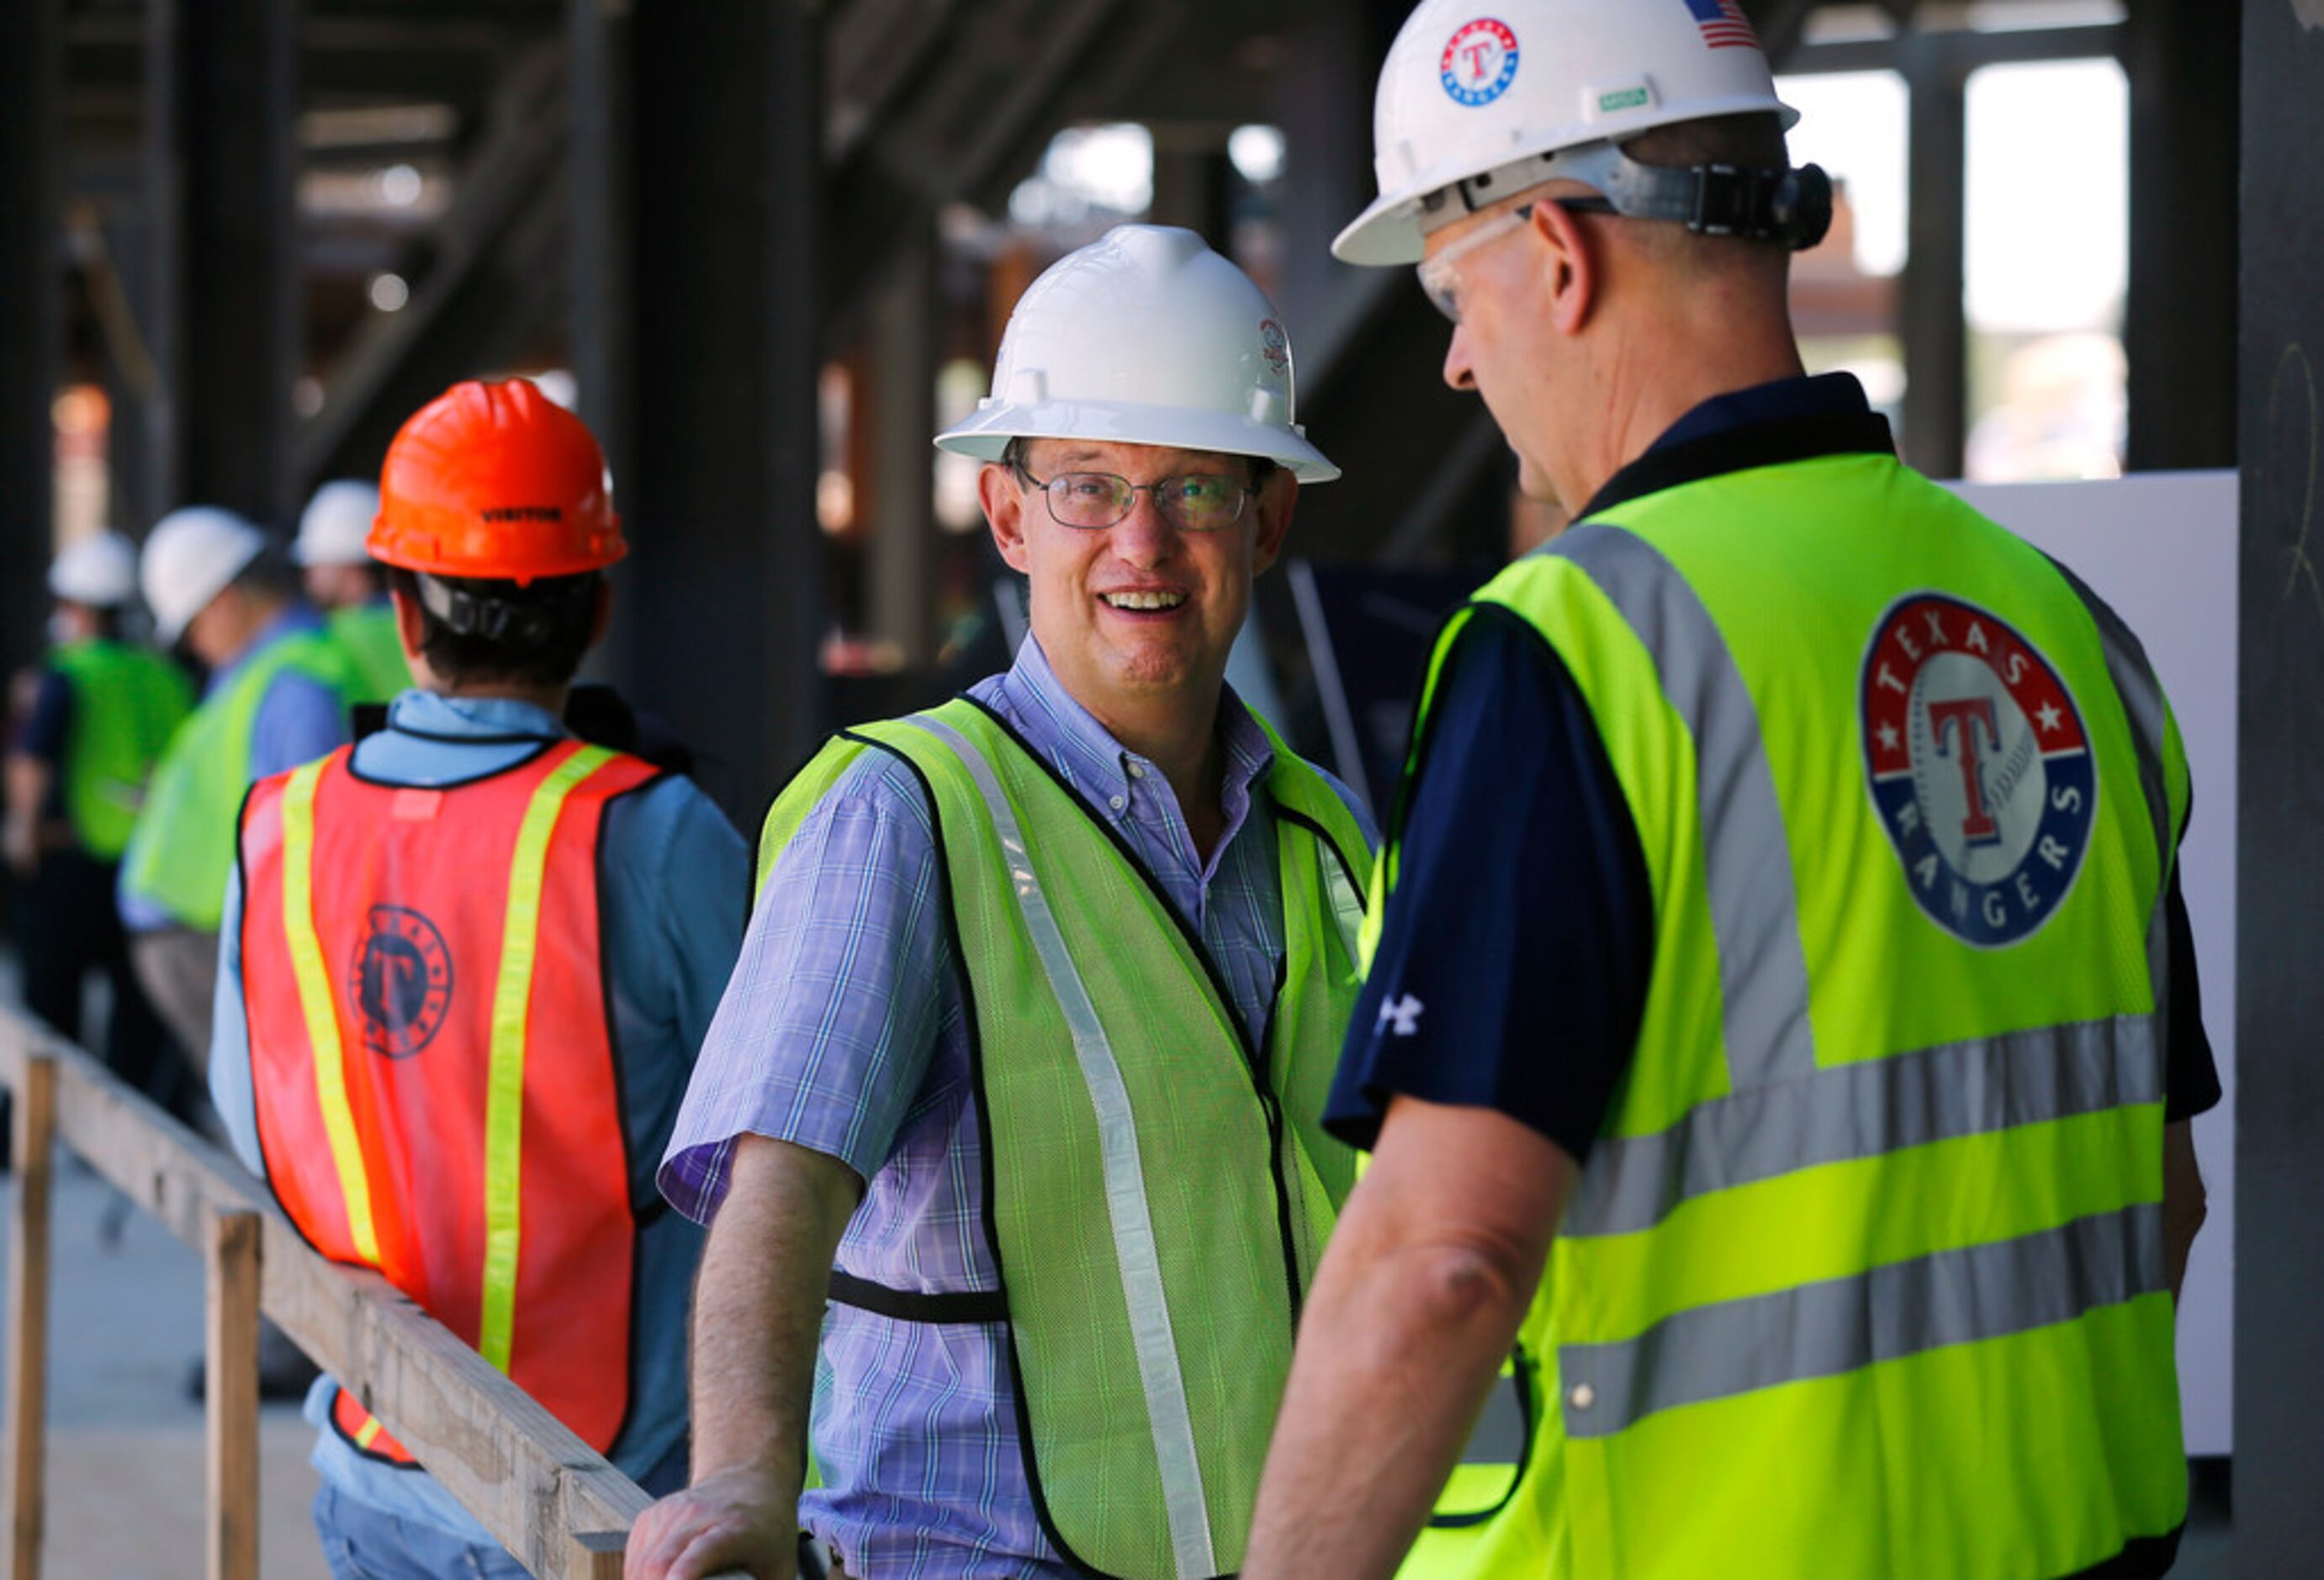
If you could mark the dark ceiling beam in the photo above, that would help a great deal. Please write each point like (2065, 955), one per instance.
(1971, 50)
(1781, 24)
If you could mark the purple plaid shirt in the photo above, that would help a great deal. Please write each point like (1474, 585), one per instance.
(842, 1031)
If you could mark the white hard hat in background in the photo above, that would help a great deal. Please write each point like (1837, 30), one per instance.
(100, 571)
(338, 521)
(1468, 92)
(189, 556)
(1145, 337)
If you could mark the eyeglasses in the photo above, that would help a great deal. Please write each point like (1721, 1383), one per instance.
(1442, 281)
(1193, 501)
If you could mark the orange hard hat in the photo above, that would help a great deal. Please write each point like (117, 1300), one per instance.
(495, 480)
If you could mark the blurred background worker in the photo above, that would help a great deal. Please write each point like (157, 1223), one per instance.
(76, 778)
(349, 586)
(1021, 1062)
(477, 959)
(277, 695)
(1781, 915)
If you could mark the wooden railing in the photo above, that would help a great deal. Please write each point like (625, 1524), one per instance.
(545, 1495)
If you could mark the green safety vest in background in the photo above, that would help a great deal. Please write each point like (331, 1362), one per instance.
(366, 634)
(1865, 1274)
(127, 702)
(183, 847)
(1160, 1188)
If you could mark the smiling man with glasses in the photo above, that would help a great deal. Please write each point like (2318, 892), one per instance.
(1021, 1067)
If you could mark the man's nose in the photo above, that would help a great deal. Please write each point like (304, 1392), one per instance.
(1457, 371)
(1145, 536)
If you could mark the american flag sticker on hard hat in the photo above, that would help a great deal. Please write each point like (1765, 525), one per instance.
(1723, 24)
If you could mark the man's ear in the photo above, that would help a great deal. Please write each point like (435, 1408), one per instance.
(1569, 265)
(409, 628)
(1277, 498)
(1004, 513)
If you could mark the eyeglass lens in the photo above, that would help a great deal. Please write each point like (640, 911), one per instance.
(1196, 501)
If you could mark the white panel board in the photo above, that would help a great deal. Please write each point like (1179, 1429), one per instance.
(2161, 548)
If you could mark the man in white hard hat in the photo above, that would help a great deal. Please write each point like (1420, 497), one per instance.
(276, 697)
(1020, 1066)
(1780, 942)
(349, 586)
(76, 776)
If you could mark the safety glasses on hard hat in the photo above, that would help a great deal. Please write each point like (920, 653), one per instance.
(1193, 501)
(1442, 281)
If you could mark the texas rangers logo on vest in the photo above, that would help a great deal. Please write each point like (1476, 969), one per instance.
(402, 980)
(1981, 769)
(1479, 63)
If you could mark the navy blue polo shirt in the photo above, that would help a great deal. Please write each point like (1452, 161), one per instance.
(1512, 967)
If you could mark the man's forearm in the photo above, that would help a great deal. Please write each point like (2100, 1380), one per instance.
(2183, 1201)
(1419, 1297)
(758, 1309)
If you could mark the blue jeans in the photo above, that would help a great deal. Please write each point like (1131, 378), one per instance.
(363, 1542)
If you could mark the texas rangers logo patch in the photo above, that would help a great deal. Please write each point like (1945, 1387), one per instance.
(402, 980)
(1479, 63)
(1981, 769)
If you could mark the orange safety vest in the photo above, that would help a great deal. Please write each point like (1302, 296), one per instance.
(433, 1061)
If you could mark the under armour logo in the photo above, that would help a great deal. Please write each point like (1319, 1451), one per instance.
(1404, 1014)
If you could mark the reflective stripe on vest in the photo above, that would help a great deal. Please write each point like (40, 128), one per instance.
(1158, 1199)
(1800, 1187)
(411, 1029)
(1139, 1262)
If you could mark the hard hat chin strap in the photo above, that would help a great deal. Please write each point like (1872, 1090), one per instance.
(1789, 207)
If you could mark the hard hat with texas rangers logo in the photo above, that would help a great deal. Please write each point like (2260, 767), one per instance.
(1145, 336)
(1482, 98)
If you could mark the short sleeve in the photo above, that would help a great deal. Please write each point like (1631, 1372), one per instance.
(827, 1030)
(49, 726)
(1512, 967)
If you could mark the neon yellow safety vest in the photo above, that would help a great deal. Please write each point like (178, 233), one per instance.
(1865, 1274)
(366, 632)
(127, 702)
(183, 847)
(1159, 1189)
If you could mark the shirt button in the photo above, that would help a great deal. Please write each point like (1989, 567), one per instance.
(1138, 771)
(1583, 1396)
(1118, 803)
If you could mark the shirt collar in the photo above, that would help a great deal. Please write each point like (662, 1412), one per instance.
(1764, 425)
(437, 717)
(1100, 767)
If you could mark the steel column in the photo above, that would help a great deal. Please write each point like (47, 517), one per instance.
(2279, 1519)
(726, 602)
(31, 156)
(898, 410)
(238, 342)
(1935, 316)
(2178, 325)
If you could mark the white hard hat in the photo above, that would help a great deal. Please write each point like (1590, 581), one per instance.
(1469, 93)
(100, 571)
(338, 521)
(191, 555)
(1145, 337)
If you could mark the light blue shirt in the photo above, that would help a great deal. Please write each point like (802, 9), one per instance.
(843, 1031)
(299, 719)
(676, 877)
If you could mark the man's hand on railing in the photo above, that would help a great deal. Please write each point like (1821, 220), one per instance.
(736, 1520)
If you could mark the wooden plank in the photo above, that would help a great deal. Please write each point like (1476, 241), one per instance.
(232, 1395)
(596, 1556)
(522, 1473)
(28, 1313)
